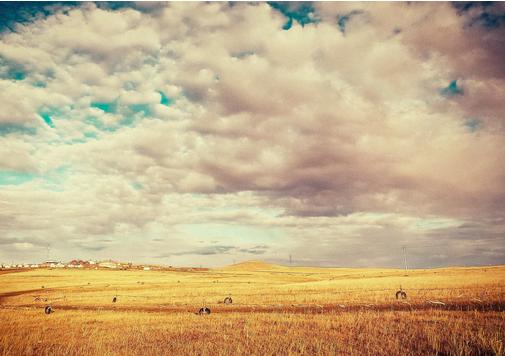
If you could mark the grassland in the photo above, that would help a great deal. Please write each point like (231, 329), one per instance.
(275, 310)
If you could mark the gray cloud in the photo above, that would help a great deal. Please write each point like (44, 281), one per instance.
(219, 250)
(210, 250)
(256, 250)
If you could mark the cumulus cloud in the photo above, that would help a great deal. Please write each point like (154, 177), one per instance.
(260, 129)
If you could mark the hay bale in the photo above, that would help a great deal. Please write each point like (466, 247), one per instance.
(401, 294)
(48, 309)
(204, 311)
(228, 300)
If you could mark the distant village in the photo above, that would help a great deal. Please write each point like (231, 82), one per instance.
(90, 264)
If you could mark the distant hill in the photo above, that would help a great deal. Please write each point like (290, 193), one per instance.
(252, 266)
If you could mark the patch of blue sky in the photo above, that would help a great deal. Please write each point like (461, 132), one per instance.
(50, 113)
(16, 74)
(303, 13)
(490, 20)
(47, 119)
(165, 100)
(11, 177)
(12, 13)
(483, 13)
(108, 107)
(288, 24)
(452, 89)
(473, 125)
(9, 129)
(119, 5)
(115, 5)
(131, 114)
(53, 178)
(11, 71)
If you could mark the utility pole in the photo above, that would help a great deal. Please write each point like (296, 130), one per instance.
(404, 248)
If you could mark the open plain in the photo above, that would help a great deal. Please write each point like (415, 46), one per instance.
(275, 310)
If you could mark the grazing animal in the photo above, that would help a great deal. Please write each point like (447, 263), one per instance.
(114, 299)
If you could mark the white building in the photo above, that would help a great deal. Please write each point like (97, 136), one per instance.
(108, 264)
(50, 263)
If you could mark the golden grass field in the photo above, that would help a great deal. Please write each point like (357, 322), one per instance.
(276, 310)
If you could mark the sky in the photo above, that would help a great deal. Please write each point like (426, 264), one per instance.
(203, 134)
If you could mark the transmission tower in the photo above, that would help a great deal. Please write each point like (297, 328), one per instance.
(404, 248)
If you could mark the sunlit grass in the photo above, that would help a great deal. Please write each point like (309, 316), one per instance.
(275, 310)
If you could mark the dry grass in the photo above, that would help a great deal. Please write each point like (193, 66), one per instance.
(276, 310)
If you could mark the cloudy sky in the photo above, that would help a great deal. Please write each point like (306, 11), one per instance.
(203, 134)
